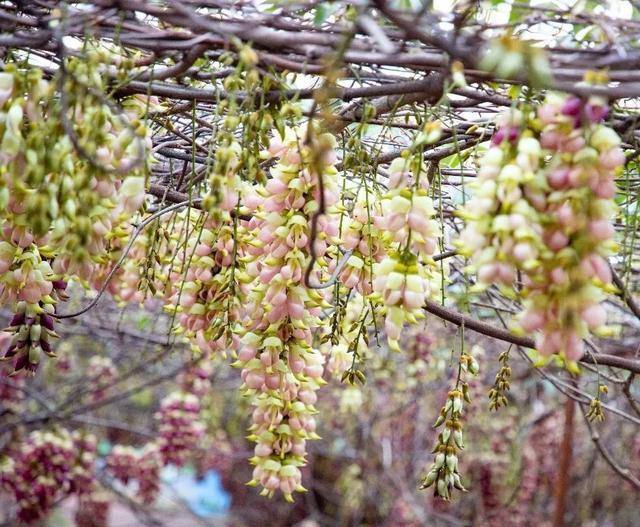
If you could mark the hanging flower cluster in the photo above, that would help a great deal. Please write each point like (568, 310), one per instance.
(127, 464)
(148, 473)
(179, 427)
(125, 284)
(404, 278)
(101, 372)
(122, 462)
(443, 474)
(30, 285)
(62, 190)
(564, 298)
(281, 370)
(48, 466)
(70, 184)
(51, 189)
(195, 379)
(207, 283)
(502, 230)
(93, 509)
(32, 329)
(543, 205)
(362, 237)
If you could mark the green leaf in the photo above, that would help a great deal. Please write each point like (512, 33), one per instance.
(323, 12)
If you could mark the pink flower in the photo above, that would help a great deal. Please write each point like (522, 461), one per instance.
(601, 229)
(557, 240)
(595, 316)
(559, 178)
(612, 158)
(532, 320)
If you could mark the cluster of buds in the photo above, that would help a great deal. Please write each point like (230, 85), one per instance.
(564, 297)
(124, 285)
(195, 379)
(48, 466)
(85, 248)
(127, 464)
(101, 372)
(407, 210)
(361, 236)
(443, 474)
(543, 205)
(404, 278)
(59, 206)
(48, 188)
(122, 463)
(148, 473)
(502, 231)
(180, 427)
(208, 284)
(281, 370)
(32, 328)
(345, 357)
(240, 119)
(144, 270)
(25, 274)
(502, 384)
(346, 340)
(11, 394)
(401, 283)
(93, 509)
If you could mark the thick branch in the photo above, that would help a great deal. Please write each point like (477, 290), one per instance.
(526, 342)
(625, 294)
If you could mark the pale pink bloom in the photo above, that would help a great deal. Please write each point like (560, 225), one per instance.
(601, 229)
(547, 113)
(559, 276)
(574, 348)
(551, 139)
(532, 320)
(565, 215)
(573, 144)
(612, 158)
(524, 251)
(559, 178)
(604, 189)
(595, 316)
(488, 273)
(557, 240)
(549, 343)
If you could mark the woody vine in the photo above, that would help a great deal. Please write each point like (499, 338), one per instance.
(292, 231)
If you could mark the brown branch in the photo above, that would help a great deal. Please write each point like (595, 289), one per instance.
(177, 69)
(431, 89)
(526, 342)
(625, 294)
(175, 91)
(624, 473)
(561, 485)
(173, 196)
